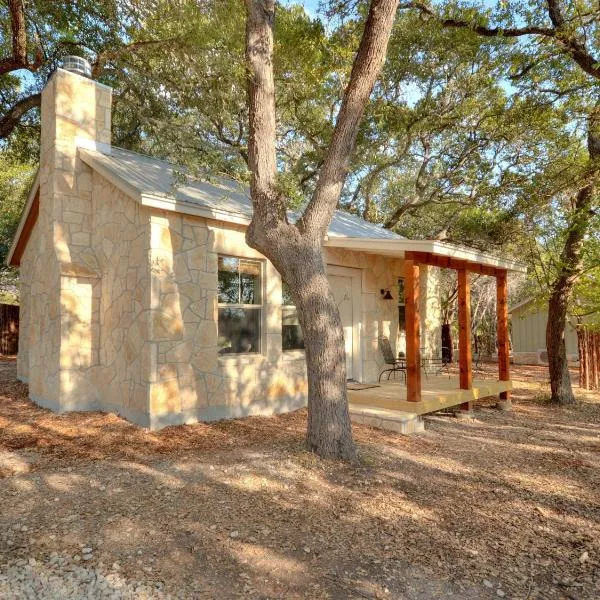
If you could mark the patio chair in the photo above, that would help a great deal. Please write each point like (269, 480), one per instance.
(393, 365)
(435, 365)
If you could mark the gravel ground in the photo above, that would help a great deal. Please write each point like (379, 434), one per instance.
(506, 505)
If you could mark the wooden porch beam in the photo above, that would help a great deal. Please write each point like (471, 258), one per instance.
(502, 332)
(413, 331)
(448, 262)
(464, 333)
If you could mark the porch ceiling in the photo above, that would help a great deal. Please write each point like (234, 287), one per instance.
(399, 247)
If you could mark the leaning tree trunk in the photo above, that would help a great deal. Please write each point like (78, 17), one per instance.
(558, 365)
(570, 269)
(301, 263)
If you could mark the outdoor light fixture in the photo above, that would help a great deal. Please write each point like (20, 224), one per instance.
(386, 294)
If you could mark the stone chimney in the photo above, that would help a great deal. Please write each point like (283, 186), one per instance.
(75, 113)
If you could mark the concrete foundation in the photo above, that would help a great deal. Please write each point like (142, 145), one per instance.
(390, 420)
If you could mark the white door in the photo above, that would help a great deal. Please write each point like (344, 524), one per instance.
(341, 288)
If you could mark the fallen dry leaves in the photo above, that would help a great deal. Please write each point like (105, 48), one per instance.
(505, 505)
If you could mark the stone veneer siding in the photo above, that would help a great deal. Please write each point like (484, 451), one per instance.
(121, 240)
(119, 301)
(191, 381)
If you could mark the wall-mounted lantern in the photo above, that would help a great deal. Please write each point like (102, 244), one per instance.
(386, 294)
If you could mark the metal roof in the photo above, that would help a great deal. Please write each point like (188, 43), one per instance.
(162, 184)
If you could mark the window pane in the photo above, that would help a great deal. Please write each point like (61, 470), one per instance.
(229, 280)
(239, 330)
(401, 318)
(286, 296)
(250, 282)
(291, 334)
(400, 291)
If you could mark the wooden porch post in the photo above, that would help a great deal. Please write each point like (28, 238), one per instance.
(502, 332)
(413, 330)
(464, 334)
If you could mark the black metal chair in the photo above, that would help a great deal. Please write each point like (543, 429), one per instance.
(394, 365)
(435, 365)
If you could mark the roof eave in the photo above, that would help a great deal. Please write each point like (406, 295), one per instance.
(11, 259)
(400, 246)
(189, 208)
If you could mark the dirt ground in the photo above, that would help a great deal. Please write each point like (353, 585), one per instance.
(506, 505)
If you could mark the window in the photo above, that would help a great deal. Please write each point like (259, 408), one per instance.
(401, 307)
(240, 305)
(291, 334)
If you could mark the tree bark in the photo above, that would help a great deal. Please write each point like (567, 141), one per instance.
(328, 429)
(571, 266)
(558, 365)
(588, 344)
(18, 58)
(296, 250)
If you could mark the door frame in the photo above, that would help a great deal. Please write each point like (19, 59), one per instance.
(356, 277)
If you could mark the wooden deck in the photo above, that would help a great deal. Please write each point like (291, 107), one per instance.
(438, 392)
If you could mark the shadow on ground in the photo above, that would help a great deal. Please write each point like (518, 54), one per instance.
(507, 502)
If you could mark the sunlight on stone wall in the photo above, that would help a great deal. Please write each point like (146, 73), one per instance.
(191, 381)
(119, 301)
(121, 238)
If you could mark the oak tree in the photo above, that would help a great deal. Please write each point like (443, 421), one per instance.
(296, 249)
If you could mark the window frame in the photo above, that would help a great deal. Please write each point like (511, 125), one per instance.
(258, 307)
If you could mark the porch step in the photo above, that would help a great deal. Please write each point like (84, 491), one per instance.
(391, 420)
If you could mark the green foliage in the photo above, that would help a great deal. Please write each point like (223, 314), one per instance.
(15, 182)
(469, 139)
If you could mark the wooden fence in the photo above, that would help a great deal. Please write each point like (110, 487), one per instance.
(588, 341)
(9, 329)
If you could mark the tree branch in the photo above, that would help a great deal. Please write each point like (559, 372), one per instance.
(567, 41)
(509, 32)
(18, 59)
(365, 70)
(11, 119)
(107, 55)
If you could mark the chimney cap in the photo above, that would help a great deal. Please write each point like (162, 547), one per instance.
(77, 64)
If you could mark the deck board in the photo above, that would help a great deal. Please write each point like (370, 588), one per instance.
(438, 392)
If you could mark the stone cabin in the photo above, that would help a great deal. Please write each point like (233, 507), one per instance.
(140, 296)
